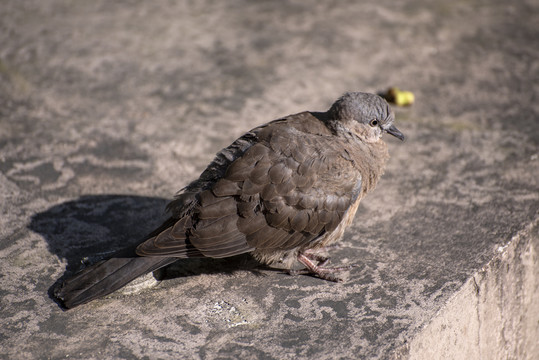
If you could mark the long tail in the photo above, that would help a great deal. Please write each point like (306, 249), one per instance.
(105, 277)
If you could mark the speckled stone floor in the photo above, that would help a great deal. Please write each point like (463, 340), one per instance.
(108, 108)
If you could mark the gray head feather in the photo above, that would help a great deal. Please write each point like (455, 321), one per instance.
(361, 107)
(364, 108)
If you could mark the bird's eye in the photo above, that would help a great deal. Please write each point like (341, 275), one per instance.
(374, 122)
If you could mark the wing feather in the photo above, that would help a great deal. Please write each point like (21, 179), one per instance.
(281, 187)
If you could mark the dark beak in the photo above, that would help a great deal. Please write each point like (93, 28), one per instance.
(395, 132)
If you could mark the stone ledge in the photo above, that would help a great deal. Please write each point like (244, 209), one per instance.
(107, 109)
(494, 315)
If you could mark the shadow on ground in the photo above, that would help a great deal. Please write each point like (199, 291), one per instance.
(95, 227)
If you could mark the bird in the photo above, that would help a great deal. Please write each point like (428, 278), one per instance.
(281, 192)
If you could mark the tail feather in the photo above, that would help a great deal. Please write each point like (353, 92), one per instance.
(106, 277)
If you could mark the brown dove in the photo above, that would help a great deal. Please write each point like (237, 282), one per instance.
(280, 192)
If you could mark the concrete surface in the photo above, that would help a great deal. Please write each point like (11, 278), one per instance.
(108, 108)
(494, 315)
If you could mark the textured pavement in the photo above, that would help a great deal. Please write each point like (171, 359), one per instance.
(108, 108)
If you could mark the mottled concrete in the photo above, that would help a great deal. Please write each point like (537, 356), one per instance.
(108, 108)
(494, 315)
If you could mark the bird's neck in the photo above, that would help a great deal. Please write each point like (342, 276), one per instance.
(370, 159)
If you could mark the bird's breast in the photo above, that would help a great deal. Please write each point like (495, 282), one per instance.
(338, 233)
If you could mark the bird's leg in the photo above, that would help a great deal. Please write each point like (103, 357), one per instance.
(326, 273)
(314, 255)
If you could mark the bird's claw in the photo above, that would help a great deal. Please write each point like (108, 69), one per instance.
(324, 272)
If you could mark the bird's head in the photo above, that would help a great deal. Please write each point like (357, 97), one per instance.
(364, 115)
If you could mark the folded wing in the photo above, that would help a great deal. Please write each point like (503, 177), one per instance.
(289, 187)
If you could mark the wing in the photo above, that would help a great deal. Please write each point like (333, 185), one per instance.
(287, 189)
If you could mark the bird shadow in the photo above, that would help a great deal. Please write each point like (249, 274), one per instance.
(94, 227)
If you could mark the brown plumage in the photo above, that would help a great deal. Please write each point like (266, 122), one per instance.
(280, 191)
